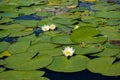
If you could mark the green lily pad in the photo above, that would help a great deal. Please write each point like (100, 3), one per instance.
(62, 39)
(20, 33)
(64, 21)
(15, 27)
(10, 14)
(28, 23)
(2, 69)
(108, 45)
(89, 49)
(74, 64)
(109, 14)
(5, 20)
(45, 14)
(4, 46)
(85, 34)
(26, 10)
(19, 47)
(108, 52)
(28, 61)
(21, 75)
(104, 66)
(4, 33)
(41, 46)
(111, 32)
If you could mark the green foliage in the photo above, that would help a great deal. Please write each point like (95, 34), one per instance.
(104, 66)
(21, 75)
(28, 61)
(74, 64)
(19, 47)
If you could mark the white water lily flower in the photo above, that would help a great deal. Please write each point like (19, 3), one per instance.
(76, 27)
(45, 28)
(68, 51)
(52, 27)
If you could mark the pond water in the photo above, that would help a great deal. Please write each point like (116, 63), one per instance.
(60, 40)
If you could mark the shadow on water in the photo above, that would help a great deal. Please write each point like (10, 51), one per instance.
(83, 75)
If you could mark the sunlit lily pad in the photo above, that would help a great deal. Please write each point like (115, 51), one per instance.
(20, 33)
(45, 14)
(29, 23)
(108, 52)
(28, 61)
(2, 69)
(4, 33)
(87, 49)
(74, 64)
(62, 39)
(19, 47)
(10, 14)
(104, 66)
(21, 75)
(5, 20)
(41, 46)
(86, 34)
(4, 46)
(110, 14)
(111, 32)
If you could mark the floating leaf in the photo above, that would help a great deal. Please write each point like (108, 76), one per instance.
(109, 14)
(19, 47)
(108, 52)
(4, 33)
(5, 53)
(4, 46)
(20, 33)
(28, 61)
(104, 66)
(5, 20)
(86, 34)
(45, 14)
(29, 23)
(87, 49)
(111, 32)
(41, 46)
(10, 14)
(62, 39)
(21, 75)
(74, 64)
(2, 69)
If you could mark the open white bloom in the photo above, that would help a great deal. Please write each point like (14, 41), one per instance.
(68, 51)
(52, 27)
(45, 28)
(76, 27)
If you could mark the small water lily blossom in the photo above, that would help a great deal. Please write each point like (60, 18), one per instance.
(68, 51)
(52, 27)
(45, 28)
(76, 27)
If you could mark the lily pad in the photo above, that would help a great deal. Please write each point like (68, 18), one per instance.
(20, 33)
(5, 20)
(4, 46)
(86, 34)
(28, 23)
(74, 64)
(104, 66)
(28, 61)
(108, 14)
(19, 47)
(62, 39)
(4, 33)
(21, 75)
(41, 46)
(108, 52)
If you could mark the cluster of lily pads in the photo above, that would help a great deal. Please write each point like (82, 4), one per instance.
(77, 37)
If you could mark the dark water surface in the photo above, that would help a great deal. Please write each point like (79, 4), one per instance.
(82, 75)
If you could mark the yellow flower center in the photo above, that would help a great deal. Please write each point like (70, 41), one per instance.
(68, 52)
